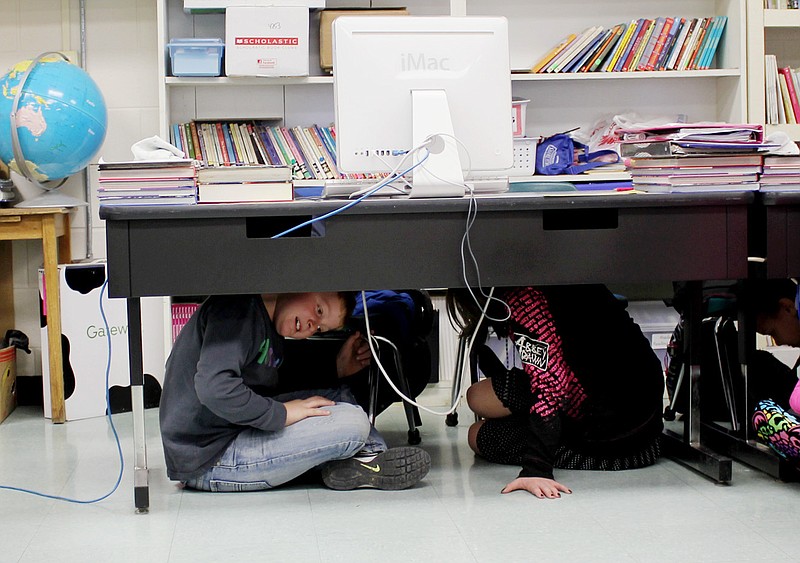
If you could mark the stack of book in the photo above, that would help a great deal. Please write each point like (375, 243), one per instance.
(663, 43)
(244, 184)
(147, 182)
(781, 173)
(678, 139)
(699, 173)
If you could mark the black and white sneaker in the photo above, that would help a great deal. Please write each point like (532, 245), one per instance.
(392, 470)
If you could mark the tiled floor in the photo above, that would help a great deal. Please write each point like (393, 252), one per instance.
(662, 513)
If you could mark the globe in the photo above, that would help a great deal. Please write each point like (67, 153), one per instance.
(61, 118)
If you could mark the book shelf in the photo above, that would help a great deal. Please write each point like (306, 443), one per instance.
(558, 101)
(774, 32)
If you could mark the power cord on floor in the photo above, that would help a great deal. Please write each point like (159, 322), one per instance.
(110, 422)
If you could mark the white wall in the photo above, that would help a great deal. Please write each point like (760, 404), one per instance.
(121, 44)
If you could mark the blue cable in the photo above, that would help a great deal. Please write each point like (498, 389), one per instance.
(385, 182)
(110, 421)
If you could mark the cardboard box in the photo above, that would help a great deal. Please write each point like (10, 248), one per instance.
(266, 41)
(8, 381)
(85, 344)
(326, 18)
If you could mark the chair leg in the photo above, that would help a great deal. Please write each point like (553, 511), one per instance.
(412, 414)
(458, 377)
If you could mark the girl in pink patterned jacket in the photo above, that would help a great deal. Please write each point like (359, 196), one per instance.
(578, 385)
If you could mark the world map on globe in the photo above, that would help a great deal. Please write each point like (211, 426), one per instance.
(61, 118)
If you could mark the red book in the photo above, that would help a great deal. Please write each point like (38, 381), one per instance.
(787, 73)
(226, 159)
(662, 39)
(632, 52)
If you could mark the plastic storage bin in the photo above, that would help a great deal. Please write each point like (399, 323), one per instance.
(196, 56)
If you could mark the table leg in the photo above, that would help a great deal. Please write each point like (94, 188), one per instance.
(141, 491)
(688, 449)
(6, 288)
(50, 251)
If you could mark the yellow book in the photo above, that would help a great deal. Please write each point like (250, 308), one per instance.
(642, 45)
(553, 52)
(623, 42)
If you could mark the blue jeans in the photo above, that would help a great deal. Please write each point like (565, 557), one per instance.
(258, 460)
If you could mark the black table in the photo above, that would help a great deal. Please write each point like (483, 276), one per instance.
(774, 253)
(403, 243)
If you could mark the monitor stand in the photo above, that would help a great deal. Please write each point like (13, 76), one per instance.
(440, 175)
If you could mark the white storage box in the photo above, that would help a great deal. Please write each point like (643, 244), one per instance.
(518, 107)
(85, 346)
(194, 56)
(266, 41)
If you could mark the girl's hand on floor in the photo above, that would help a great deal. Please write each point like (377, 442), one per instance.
(537, 486)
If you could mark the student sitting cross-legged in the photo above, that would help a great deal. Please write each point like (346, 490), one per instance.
(578, 385)
(223, 431)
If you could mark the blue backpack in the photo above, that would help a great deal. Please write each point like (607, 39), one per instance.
(558, 155)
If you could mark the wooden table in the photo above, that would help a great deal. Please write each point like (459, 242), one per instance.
(51, 226)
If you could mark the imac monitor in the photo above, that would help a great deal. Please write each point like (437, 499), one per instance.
(403, 81)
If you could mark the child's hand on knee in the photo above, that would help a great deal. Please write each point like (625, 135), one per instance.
(298, 409)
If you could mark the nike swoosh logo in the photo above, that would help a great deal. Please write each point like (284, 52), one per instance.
(375, 469)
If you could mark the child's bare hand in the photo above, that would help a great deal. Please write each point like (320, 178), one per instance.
(298, 409)
(353, 356)
(537, 486)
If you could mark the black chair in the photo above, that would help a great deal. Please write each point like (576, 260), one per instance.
(400, 327)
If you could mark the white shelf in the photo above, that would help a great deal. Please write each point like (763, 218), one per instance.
(781, 18)
(226, 81)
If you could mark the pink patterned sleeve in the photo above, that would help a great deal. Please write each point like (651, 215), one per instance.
(794, 400)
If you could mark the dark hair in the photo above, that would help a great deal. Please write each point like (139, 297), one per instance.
(464, 312)
(349, 301)
(764, 295)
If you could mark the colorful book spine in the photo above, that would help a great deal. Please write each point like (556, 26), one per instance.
(788, 75)
(283, 136)
(701, 37)
(587, 51)
(225, 159)
(272, 151)
(670, 43)
(631, 40)
(651, 43)
(689, 45)
(277, 140)
(544, 61)
(603, 50)
(572, 49)
(660, 44)
(627, 65)
(198, 149)
(680, 44)
(712, 47)
(619, 48)
(642, 46)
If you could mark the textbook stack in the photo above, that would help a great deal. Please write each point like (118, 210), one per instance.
(662, 43)
(147, 182)
(694, 157)
(244, 184)
(781, 173)
(700, 173)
